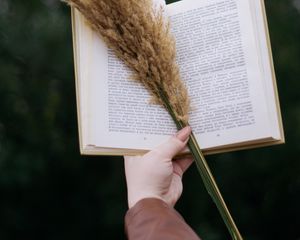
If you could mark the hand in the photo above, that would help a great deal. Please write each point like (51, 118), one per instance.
(156, 174)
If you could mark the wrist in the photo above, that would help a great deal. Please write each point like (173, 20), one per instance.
(132, 201)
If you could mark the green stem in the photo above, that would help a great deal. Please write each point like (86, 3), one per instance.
(212, 187)
(206, 175)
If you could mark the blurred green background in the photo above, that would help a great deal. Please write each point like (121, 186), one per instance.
(49, 191)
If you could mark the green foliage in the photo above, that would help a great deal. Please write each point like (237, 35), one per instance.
(49, 191)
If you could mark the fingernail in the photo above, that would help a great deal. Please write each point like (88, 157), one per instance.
(184, 133)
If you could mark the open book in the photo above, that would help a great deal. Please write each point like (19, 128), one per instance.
(225, 59)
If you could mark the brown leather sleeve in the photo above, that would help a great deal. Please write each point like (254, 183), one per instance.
(153, 219)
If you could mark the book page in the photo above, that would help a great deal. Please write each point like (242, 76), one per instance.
(218, 60)
(267, 68)
(81, 36)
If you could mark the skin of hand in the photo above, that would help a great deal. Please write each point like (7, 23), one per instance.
(156, 174)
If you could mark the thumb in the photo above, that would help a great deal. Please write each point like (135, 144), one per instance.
(175, 144)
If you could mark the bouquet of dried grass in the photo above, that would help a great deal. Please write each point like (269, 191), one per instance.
(139, 35)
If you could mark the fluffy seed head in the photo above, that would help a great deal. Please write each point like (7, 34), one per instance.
(139, 34)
